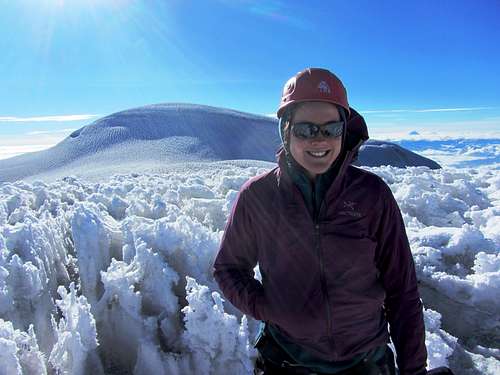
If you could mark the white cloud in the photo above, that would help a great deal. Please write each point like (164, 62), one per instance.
(466, 129)
(462, 109)
(11, 151)
(392, 134)
(57, 118)
(59, 131)
(11, 146)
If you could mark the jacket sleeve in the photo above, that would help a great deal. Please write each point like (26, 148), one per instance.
(236, 259)
(402, 303)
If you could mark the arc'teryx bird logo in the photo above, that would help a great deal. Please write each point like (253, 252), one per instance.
(349, 209)
(324, 88)
(349, 204)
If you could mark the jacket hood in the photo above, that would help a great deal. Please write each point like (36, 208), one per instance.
(356, 131)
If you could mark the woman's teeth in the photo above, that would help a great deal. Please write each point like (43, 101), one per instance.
(318, 154)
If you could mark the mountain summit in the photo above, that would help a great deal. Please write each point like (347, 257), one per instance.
(154, 137)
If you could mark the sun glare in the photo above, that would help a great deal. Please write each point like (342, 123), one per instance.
(84, 4)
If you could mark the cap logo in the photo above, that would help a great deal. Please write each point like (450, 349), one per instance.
(324, 88)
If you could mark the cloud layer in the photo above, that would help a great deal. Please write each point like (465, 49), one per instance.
(56, 118)
(460, 109)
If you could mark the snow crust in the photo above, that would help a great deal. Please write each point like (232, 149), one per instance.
(115, 276)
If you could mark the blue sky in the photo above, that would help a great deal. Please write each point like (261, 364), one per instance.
(398, 59)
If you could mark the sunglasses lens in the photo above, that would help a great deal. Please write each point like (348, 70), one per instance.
(306, 130)
(333, 129)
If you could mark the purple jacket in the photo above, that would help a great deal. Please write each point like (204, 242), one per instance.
(332, 284)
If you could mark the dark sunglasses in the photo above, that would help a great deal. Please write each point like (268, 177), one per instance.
(308, 130)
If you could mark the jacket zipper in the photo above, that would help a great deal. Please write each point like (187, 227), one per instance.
(324, 288)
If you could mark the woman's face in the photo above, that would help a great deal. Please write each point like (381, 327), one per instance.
(318, 154)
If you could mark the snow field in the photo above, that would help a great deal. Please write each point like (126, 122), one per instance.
(115, 277)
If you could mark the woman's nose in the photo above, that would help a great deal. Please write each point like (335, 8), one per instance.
(320, 138)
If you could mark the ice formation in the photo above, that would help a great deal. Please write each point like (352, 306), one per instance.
(115, 277)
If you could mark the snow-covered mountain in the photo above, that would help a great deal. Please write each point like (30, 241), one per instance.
(154, 138)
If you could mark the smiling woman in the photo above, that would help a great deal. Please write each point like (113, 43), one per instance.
(316, 154)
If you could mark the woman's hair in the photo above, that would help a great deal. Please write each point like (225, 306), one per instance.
(285, 125)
